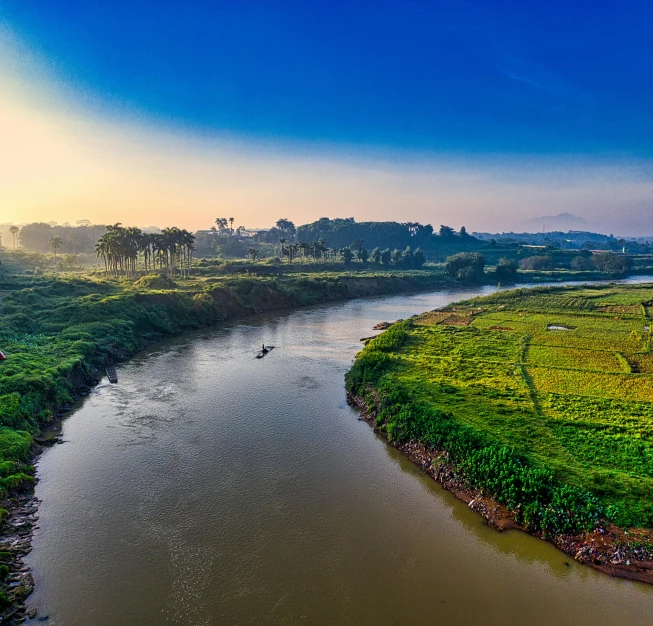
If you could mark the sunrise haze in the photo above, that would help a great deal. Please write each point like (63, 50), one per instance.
(230, 116)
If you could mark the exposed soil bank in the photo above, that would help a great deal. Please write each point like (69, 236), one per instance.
(603, 549)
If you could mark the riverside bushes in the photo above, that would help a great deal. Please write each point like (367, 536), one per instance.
(486, 381)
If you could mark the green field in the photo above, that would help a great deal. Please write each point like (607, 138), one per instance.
(575, 403)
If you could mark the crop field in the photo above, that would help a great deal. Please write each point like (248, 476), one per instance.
(561, 376)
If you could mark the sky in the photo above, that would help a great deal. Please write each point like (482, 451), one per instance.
(477, 113)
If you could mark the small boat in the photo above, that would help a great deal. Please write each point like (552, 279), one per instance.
(112, 374)
(264, 351)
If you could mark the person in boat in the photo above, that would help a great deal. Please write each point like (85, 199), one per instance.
(264, 350)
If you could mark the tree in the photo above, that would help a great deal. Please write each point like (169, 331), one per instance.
(386, 256)
(611, 263)
(363, 255)
(538, 262)
(396, 257)
(466, 266)
(120, 249)
(36, 236)
(407, 258)
(419, 259)
(375, 257)
(221, 223)
(73, 240)
(446, 231)
(357, 246)
(581, 263)
(286, 227)
(231, 224)
(506, 270)
(347, 256)
(463, 232)
(55, 243)
(253, 254)
(14, 230)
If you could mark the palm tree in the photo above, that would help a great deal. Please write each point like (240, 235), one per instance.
(282, 241)
(231, 224)
(187, 243)
(101, 249)
(221, 223)
(55, 244)
(14, 233)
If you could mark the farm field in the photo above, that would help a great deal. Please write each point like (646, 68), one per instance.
(562, 378)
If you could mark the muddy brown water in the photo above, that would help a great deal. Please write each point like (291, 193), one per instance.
(210, 487)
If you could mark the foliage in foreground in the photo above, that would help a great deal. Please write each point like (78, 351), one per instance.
(556, 424)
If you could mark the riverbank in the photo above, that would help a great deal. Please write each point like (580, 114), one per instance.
(532, 434)
(609, 550)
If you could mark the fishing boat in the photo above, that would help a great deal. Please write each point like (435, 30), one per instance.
(112, 374)
(264, 351)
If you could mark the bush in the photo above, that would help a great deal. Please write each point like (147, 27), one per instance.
(156, 281)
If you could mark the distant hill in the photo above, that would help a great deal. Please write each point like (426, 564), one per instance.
(561, 222)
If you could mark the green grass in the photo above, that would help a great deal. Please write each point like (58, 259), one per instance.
(575, 404)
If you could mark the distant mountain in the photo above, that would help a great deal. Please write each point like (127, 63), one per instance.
(562, 222)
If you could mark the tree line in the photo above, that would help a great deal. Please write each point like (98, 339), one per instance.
(122, 248)
(339, 232)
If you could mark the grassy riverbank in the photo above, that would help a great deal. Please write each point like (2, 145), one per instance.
(57, 332)
(542, 399)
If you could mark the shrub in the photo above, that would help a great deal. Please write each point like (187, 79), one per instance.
(156, 281)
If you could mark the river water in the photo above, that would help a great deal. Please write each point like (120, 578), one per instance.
(209, 487)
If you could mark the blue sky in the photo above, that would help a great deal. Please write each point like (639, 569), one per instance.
(443, 80)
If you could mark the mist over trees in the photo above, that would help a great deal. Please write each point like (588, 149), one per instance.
(74, 239)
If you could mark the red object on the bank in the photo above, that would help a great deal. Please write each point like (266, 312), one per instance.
(2, 356)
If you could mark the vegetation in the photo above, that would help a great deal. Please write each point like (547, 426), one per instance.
(543, 398)
(120, 249)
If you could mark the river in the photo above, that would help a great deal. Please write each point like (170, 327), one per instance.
(209, 487)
